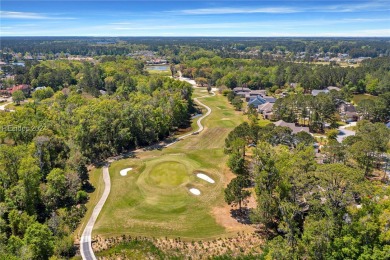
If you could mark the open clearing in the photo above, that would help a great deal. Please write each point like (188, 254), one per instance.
(163, 196)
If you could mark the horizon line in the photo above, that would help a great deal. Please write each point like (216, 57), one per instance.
(208, 36)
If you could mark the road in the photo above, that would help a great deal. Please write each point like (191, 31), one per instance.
(86, 238)
(2, 107)
(344, 133)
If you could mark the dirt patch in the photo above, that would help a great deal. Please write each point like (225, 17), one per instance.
(223, 217)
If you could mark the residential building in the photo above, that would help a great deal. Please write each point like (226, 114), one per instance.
(315, 92)
(348, 112)
(266, 110)
(295, 129)
(23, 87)
(333, 88)
(258, 100)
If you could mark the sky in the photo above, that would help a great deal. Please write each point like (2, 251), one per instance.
(195, 18)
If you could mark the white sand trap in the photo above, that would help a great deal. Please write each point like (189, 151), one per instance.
(124, 171)
(195, 191)
(205, 177)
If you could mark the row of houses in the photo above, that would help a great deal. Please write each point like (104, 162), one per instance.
(257, 99)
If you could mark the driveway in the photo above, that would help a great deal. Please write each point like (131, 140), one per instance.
(344, 133)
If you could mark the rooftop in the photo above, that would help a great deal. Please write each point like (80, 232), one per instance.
(295, 129)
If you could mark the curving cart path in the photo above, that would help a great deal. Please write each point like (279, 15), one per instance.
(85, 242)
(199, 121)
(86, 238)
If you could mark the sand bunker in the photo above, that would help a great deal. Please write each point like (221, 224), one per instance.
(124, 171)
(205, 177)
(195, 191)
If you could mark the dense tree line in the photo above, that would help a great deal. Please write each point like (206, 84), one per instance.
(46, 145)
(371, 77)
(310, 210)
(226, 46)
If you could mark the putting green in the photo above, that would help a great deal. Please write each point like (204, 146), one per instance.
(168, 174)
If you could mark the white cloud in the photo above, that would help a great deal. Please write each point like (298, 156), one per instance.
(29, 15)
(122, 23)
(21, 15)
(348, 8)
(227, 10)
(341, 8)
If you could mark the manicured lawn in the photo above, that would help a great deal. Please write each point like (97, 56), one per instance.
(264, 122)
(357, 98)
(168, 174)
(154, 200)
(159, 72)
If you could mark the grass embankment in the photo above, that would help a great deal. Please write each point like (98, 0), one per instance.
(96, 180)
(154, 199)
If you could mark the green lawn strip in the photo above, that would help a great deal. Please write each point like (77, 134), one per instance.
(357, 98)
(96, 180)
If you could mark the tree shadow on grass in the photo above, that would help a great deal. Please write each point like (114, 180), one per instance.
(242, 216)
(88, 187)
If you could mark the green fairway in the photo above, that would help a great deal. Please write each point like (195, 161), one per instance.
(154, 198)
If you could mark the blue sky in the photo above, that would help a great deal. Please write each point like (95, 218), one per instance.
(194, 18)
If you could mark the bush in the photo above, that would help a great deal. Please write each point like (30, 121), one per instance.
(225, 92)
(81, 197)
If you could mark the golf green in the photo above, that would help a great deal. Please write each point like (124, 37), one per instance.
(168, 174)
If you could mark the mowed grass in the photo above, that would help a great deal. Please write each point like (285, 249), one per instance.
(96, 180)
(154, 200)
(168, 174)
(357, 98)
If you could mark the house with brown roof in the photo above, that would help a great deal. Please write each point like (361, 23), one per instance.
(348, 112)
(266, 110)
(241, 89)
(254, 93)
(295, 129)
(333, 88)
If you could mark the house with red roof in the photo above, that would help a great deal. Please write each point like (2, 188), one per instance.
(23, 87)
